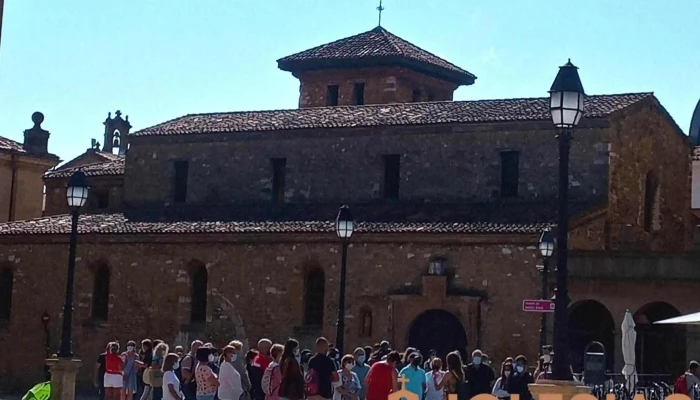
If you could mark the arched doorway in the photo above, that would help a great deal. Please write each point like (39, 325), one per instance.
(590, 321)
(437, 329)
(660, 348)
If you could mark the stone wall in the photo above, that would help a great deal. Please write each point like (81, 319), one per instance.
(439, 163)
(110, 186)
(645, 139)
(256, 289)
(382, 86)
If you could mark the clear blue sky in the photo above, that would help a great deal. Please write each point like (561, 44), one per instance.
(76, 60)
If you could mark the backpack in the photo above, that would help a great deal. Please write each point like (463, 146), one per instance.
(311, 383)
(267, 379)
(681, 386)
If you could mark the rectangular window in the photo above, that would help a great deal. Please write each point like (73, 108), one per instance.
(279, 166)
(416, 96)
(332, 95)
(181, 171)
(509, 173)
(358, 94)
(392, 176)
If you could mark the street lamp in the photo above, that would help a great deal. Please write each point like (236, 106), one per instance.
(344, 225)
(566, 107)
(76, 195)
(546, 249)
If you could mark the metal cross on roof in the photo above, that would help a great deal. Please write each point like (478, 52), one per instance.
(380, 9)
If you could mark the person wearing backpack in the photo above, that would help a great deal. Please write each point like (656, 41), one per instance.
(272, 377)
(321, 373)
(686, 382)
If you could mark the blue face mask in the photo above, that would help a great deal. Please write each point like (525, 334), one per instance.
(176, 365)
(361, 359)
(234, 357)
(476, 360)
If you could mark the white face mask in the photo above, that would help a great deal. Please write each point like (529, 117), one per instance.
(547, 358)
(506, 373)
(211, 358)
(129, 348)
(520, 369)
(349, 366)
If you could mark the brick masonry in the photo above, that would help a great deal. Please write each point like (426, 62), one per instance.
(256, 289)
(382, 86)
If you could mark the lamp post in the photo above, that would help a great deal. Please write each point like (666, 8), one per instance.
(546, 250)
(344, 226)
(76, 194)
(566, 107)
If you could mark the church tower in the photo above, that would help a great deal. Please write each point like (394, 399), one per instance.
(116, 138)
(374, 67)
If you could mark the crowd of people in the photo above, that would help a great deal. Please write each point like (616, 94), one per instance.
(286, 372)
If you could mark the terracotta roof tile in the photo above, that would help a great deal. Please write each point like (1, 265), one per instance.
(401, 114)
(374, 45)
(106, 168)
(11, 145)
(119, 224)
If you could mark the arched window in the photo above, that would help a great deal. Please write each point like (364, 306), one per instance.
(6, 278)
(199, 294)
(314, 297)
(100, 294)
(365, 322)
(116, 144)
(650, 189)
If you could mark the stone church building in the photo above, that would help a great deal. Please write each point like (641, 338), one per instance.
(219, 226)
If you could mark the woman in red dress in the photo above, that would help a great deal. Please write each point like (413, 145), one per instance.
(382, 378)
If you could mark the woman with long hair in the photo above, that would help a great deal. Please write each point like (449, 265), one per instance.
(292, 385)
(500, 388)
(454, 377)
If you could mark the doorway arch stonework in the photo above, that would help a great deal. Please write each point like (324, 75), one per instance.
(405, 308)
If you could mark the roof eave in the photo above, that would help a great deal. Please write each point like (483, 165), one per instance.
(455, 77)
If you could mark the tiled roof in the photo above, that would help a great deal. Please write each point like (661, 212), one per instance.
(696, 154)
(399, 114)
(109, 156)
(483, 218)
(10, 145)
(373, 46)
(113, 167)
(119, 224)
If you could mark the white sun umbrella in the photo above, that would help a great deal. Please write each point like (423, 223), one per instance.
(629, 338)
(688, 319)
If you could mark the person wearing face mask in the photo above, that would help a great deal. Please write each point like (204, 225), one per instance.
(230, 387)
(479, 376)
(361, 369)
(171, 383)
(239, 363)
(415, 374)
(520, 379)
(500, 387)
(207, 381)
(131, 362)
(349, 385)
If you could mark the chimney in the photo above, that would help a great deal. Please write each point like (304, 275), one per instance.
(36, 140)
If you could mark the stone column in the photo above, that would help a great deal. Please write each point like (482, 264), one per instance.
(63, 374)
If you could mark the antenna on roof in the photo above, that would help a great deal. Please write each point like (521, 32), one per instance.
(380, 9)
